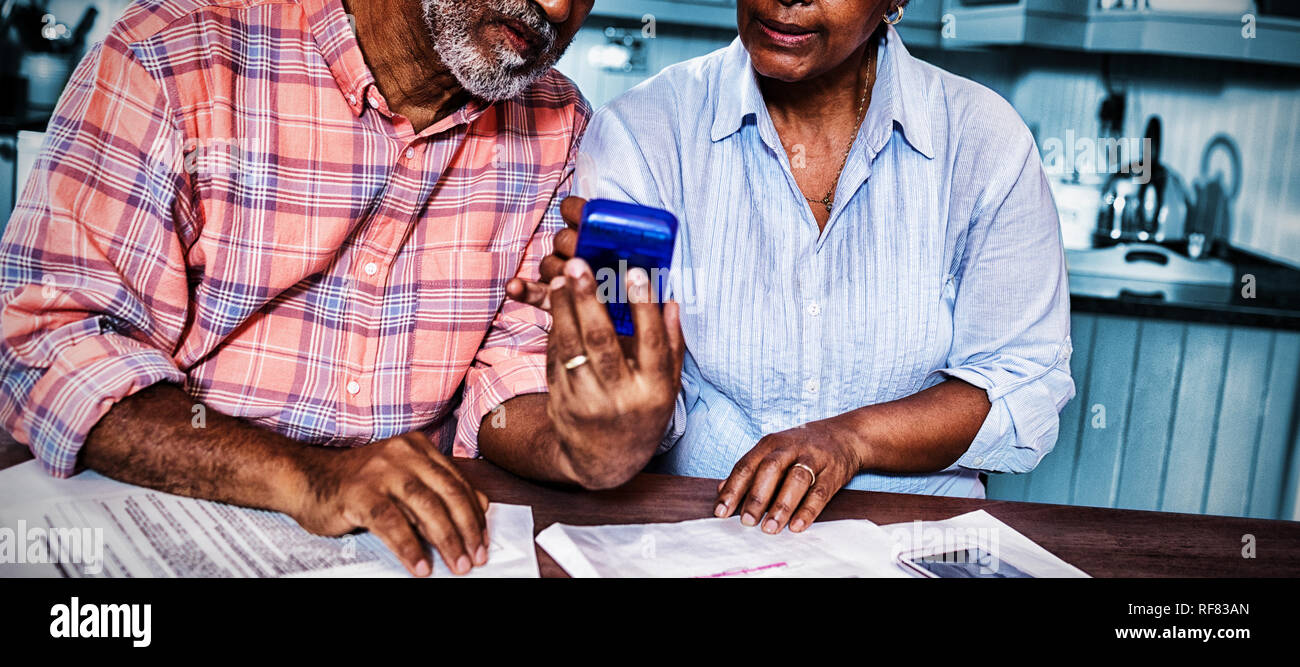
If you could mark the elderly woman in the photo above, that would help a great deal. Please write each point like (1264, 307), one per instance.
(872, 285)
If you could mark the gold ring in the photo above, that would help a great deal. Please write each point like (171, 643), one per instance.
(810, 472)
(575, 362)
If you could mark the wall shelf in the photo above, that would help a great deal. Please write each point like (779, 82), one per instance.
(704, 13)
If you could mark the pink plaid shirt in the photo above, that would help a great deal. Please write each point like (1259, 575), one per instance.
(225, 201)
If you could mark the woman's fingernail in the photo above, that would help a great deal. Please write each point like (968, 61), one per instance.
(796, 525)
(422, 568)
(720, 510)
(557, 282)
(480, 556)
(462, 564)
(771, 527)
(748, 519)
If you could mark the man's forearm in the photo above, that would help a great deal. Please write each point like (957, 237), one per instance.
(151, 439)
(528, 445)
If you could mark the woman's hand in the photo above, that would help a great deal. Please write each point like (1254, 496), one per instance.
(776, 477)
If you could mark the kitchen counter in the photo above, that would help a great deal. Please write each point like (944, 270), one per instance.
(1276, 302)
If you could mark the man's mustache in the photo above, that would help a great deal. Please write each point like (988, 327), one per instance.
(530, 16)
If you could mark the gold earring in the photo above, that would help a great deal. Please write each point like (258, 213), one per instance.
(896, 20)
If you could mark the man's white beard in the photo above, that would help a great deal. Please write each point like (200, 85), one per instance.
(503, 74)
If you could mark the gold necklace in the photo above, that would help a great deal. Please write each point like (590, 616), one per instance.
(829, 199)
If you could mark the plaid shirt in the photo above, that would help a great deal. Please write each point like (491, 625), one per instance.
(225, 200)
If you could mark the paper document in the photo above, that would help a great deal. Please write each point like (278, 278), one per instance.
(91, 526)
(849, 548)
(720, 548)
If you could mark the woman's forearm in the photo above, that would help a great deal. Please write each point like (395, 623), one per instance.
(924, 432)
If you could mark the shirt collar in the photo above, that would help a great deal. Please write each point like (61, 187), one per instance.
(331, 27)
(897, 96)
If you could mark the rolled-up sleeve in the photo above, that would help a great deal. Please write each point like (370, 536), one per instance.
(94, 294)
(512, 360)
(1011, 318)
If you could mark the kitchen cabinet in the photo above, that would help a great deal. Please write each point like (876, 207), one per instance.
(1227, 30)
(8, 176)
(1171, 415)
(706, 13)
(921, 26)
(1232, 31)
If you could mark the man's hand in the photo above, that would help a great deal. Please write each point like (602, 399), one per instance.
(397, 488)
(400, 489)
(609, 406)
(610, 398)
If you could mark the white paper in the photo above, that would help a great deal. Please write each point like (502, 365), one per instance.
(120, 530)
(980, 529)
(720, 548)
(726, 548)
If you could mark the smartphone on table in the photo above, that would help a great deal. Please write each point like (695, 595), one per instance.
(614, 237)
(970, 562)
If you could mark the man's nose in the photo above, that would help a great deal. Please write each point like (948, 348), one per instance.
(557, 11)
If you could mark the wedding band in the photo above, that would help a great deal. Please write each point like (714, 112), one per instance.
(575, 362)
(810, 472)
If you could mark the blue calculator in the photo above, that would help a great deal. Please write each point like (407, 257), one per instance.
(618, 236)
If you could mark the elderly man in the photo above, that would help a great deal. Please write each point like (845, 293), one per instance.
(260, 227)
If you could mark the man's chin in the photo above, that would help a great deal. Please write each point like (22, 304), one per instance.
(497, 86)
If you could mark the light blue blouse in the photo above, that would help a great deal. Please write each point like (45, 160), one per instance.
(942, 257)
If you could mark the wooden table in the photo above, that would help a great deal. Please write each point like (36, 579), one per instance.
(1101, 542)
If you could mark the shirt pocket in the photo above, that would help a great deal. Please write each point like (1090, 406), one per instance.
(458, 294)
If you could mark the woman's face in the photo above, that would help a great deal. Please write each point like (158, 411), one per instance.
(790, 40)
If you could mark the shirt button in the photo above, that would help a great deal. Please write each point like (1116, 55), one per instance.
(814, 309)
(354, 387)
(374, 102)
(371, 269)
(979, 460)
(352, 99)
(410, 153)
(811, 387)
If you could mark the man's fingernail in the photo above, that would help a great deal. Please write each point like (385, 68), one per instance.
(462, 564)
(720, 510)
(796, 525)
(422, 568)
(748, 519)
(480, 556)
(575, 268)
(557, 282)
(638, 285)
(771, 527)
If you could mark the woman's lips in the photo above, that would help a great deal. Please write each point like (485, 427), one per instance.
(785, 34)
